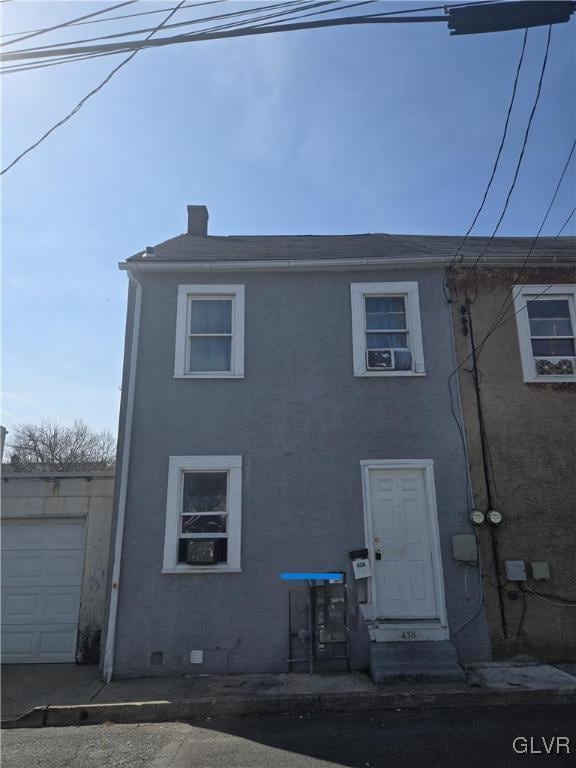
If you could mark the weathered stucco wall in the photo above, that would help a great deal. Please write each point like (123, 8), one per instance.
(84, 496)
(302, 423)
(531, 436)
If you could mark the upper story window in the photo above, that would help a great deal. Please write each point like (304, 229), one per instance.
(210, 331)
(386, 329)
(203, 511)
(546, 320)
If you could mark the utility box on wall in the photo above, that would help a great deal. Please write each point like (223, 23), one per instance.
(515, 570)
(540, 571)
(464, 548)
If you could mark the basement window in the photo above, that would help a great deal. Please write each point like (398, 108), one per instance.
(203, 512)
(546, 321)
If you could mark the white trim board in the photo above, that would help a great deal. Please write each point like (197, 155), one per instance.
(398, 631)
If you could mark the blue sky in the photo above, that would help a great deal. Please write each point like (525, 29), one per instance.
(362, 129)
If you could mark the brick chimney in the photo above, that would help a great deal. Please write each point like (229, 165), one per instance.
(198, 220)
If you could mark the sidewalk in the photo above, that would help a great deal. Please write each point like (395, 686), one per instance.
(64, 694)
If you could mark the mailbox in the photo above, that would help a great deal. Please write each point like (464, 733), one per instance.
(360, 563)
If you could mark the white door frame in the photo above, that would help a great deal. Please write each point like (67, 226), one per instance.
(397, 631)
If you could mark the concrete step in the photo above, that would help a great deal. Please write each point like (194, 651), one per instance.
(432, 661)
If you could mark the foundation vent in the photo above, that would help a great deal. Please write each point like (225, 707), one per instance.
(196, 657)
(156, 658)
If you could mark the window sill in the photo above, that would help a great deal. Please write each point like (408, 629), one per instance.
(208, 376)
(201, 569)
(551, 380)
(387, 374)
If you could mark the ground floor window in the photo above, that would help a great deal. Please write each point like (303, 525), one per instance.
(203, 514)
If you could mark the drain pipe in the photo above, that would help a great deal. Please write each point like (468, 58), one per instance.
(108, 664)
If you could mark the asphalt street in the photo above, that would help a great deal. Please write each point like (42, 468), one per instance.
(440, 738)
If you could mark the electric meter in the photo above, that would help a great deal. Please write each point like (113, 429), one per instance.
(476, 517)
(494, 517)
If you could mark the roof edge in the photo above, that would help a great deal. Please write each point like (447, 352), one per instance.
(366, 262)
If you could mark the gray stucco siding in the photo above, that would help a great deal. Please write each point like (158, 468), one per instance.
(302, 423)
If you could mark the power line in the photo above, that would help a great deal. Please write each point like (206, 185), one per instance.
(92, 92)
(518, 164)
(112, 48)
(66, 23)
(504, 308)
(504, 321)
(191, 5)
(193, 21)
(88, 96)
(295, 5)
(496, 161)
(500, 323)
(104, 21)
(249, 31)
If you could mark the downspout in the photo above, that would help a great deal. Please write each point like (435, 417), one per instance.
(108, 665)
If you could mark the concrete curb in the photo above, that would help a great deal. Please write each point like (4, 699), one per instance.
(193, 709)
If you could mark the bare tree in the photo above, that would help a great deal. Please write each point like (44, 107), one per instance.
(51, 446)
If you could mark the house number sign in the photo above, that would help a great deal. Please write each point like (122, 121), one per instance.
(361, 567)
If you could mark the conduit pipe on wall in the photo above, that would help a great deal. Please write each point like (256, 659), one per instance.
(484, 447)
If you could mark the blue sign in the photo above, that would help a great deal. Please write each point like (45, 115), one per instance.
(311, 576)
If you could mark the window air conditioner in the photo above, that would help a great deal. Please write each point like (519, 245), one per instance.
(201, 552)
(380, 360)
(555, 366)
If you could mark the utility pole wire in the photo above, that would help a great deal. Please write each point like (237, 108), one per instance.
(504, 308)
(67, 23)
(295, 7)
(88, 96)
(119, 47)
(480, 346)
(246, 32)
(497, 160)
(191, 5)
(82, 57)
(518, 164)
(110, 18)
(190, 22)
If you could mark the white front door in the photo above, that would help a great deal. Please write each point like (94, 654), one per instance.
(402, 541)
(42, 565)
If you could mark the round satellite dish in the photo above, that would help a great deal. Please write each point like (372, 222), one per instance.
(494, 517)
(476, 517)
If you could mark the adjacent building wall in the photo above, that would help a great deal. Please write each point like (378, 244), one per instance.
(530, 430)
(302, 423)
(56, 495)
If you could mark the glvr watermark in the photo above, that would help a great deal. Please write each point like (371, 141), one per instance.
(532, 745)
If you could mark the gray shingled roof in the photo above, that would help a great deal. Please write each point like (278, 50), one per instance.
(191, 248)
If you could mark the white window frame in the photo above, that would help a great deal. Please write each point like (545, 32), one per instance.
(186, 293)
(407, 290)
(177, 466)
(521, 294)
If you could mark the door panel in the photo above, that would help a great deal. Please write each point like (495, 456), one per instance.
(403, 572)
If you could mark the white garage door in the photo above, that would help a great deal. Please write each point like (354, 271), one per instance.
(42, 564)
